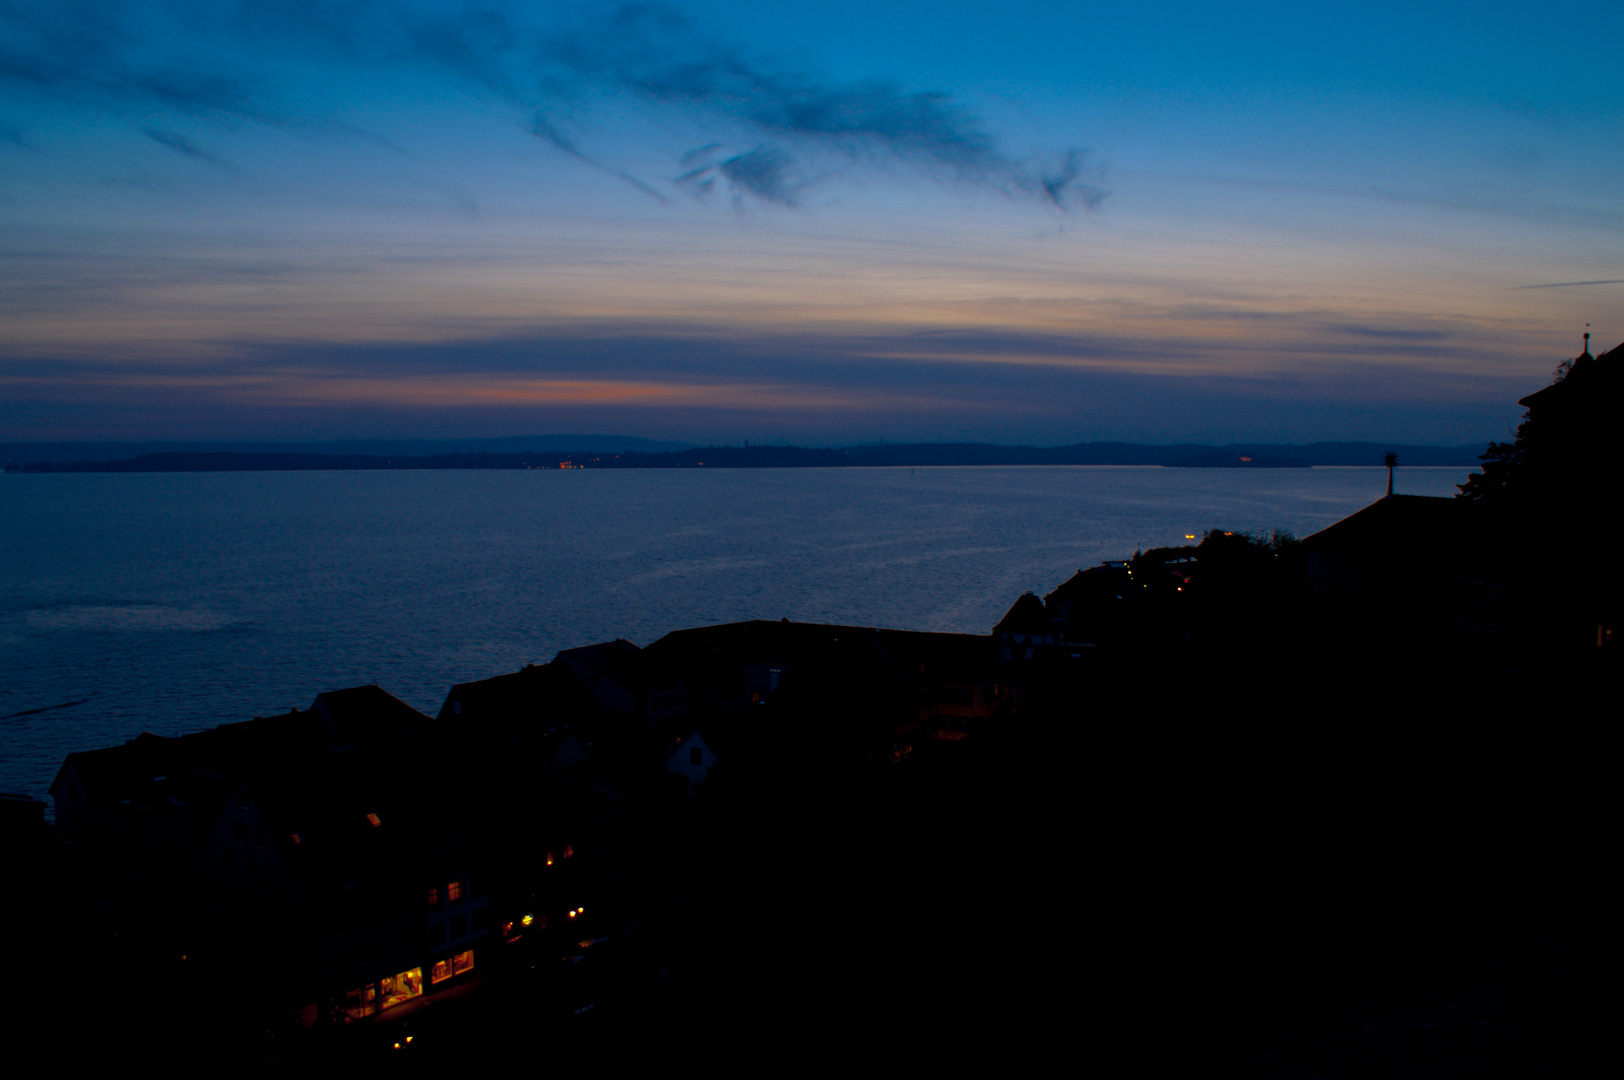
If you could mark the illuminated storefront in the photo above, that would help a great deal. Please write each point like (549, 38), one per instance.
(386, 993)
(451, 966)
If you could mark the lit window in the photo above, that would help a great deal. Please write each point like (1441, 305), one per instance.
(375, 819)
(463, 961)
(434, 896)
(402, 987)
(454, 891)
(297, 839)
(441, 971)
(569, 851)
(361, 1002)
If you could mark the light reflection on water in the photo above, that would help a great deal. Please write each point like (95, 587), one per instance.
(173, 602)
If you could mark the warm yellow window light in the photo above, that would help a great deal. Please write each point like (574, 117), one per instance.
(375, 819)
(401, 988)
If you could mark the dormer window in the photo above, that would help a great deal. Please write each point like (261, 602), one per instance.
(455, 891)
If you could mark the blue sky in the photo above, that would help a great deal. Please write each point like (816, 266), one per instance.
(724, 221)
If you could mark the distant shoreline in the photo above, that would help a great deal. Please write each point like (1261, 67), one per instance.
(778, 457)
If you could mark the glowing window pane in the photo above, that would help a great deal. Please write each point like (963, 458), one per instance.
(441, 971)
(402, 987)
(463, 961)
(361, 1002)
(453, 891)
(434, 896)
(375, 819)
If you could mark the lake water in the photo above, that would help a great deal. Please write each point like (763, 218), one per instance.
(172, 602)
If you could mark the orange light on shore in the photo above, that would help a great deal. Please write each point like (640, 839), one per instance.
(527, 920)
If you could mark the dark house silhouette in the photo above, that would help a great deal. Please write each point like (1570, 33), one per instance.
(868, 694)
(328, 852)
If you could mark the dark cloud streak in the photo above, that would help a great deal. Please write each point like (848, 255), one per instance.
(1568, 284)
(180, 145)
(770, 131)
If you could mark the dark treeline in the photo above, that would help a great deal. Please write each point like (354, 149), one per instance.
(779, 457)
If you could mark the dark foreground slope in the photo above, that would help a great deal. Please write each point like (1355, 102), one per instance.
(1209, 867)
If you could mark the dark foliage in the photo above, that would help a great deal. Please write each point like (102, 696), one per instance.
(1503, 466)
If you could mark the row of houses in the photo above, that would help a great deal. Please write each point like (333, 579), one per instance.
(352, 861)
(357, 859)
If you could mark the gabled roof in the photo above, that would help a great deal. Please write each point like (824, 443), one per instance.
(619, 661)
(319, 773)
(1025, 616)
(1589, 377)
(693, 735)
(536, 695)
(1107, 578)
(1394, 526)
(363, 713)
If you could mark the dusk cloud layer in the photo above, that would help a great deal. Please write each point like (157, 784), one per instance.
(713, 221)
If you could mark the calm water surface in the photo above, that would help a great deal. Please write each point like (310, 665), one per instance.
(173, 602)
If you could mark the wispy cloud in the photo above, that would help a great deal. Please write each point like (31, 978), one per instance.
(1567, 284)
(797, 121)
(767, 131)
(179, 144)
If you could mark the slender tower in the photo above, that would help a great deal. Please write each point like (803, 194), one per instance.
(1391, 461)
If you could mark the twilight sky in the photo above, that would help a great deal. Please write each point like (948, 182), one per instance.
(715, 221)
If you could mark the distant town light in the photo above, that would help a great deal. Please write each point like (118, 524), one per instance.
(375, 819)
(527, 920)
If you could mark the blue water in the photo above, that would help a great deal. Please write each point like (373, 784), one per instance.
(173, 602)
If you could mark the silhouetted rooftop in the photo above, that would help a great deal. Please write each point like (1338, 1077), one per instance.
(1027, 616)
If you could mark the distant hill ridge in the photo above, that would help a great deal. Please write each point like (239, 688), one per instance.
(631, 453)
